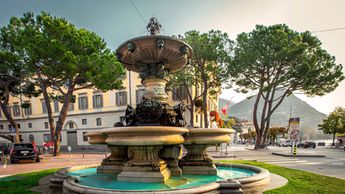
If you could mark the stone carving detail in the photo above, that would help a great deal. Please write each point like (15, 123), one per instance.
(131, 47)
(146, 156)
(197, 153)
(154, 27)
(160, 43)
(150, 112)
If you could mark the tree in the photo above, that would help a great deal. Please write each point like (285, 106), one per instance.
(273, 132)
(209, 62)
(334, 123)
(12, 74)
(276, 61)
(65, 59)
(180, 83)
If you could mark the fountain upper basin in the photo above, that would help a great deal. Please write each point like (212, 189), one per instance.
(173, 53)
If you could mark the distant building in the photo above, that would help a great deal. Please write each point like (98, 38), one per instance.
(92, 110)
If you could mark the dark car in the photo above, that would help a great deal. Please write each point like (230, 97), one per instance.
(23, 151)
(307, 144)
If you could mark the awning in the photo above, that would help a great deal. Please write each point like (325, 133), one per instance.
(3, 140)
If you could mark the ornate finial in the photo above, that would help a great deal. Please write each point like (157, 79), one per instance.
(153, 26)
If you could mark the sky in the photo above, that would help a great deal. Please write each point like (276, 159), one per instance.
(117, 21)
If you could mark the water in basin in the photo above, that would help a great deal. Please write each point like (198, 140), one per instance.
(89, 177)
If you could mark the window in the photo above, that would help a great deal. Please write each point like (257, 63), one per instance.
(82, 102)
(85, 138)
(122, 118)
(56, 106)
(97, 100)
(71, 106)
(46, 126)
(71, 125)
(46, 137)
(44, 106)
(1, 127)
(84, 122)
(180, 93)
(28, 110)
(30, 125)
(121, 98)
(31, 138)
(139, 95)
(98, 121)
(18, 125)
(16, 109)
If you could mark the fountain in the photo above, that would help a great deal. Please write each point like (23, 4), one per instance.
(146, 151)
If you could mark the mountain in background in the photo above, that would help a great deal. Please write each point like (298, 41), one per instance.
(310, 118)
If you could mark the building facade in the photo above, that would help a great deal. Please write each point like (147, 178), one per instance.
(92, 110)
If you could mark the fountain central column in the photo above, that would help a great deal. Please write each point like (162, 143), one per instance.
(155, 89)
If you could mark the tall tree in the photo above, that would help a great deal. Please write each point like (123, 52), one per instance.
(12, 81)
(275, 61)
(65, 59)
(334, 123)
(209, 61)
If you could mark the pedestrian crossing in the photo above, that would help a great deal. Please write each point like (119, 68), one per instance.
(282, 161)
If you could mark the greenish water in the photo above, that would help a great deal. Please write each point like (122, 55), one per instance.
(89, 177)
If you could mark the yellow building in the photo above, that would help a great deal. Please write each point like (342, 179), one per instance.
(92, 110)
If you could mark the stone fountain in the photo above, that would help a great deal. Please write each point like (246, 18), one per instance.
(148, 147)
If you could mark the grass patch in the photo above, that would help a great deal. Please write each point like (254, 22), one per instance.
(22, 183)
(300, 182)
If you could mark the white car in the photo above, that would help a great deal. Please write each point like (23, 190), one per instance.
(287, 143)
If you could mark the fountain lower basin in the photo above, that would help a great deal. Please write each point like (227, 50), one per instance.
(87, 180)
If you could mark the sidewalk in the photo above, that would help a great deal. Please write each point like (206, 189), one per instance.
(49, 162)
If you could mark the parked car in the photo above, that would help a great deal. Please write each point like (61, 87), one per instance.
(23, 151)
(287, 143)
(307, 144)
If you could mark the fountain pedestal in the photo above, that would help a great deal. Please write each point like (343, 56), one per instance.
(145, 166)
(114, 163)
(197, 160)
(171, 154)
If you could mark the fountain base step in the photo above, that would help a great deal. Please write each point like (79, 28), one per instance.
(200, 170)
(144, 176)
(109, 169)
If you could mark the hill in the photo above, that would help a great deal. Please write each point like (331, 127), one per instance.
(309, 116)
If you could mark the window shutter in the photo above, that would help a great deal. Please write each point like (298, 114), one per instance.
(87, 103)
(125, 98)
(117, 98)
(101, 98)
(94, 101)
(79, 103)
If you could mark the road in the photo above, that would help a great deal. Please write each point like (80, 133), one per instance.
(332, 165)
